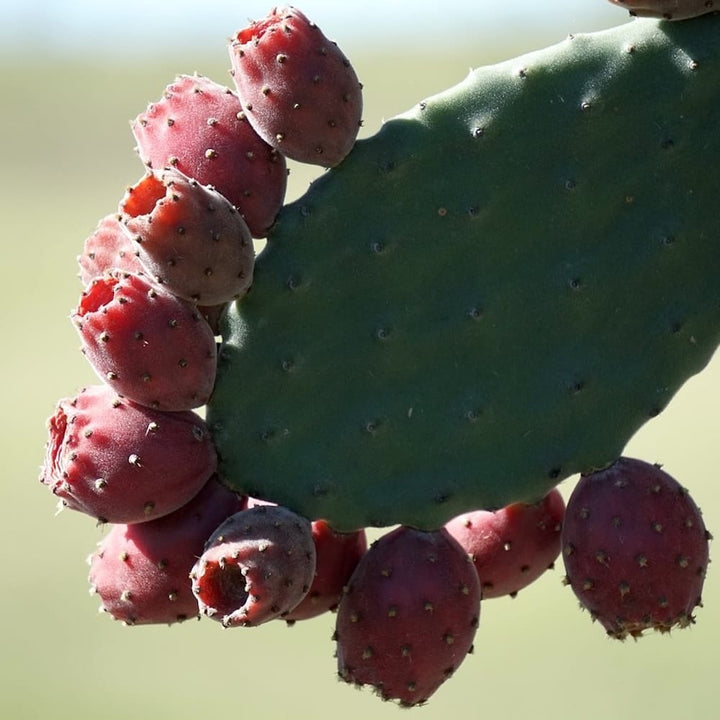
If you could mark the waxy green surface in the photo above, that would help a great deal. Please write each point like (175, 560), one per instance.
(491, 294)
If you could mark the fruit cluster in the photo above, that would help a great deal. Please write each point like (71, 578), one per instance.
(133, 451)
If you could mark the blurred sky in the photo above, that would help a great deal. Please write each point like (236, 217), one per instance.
(134, 27)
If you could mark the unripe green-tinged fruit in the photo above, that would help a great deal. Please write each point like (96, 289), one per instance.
(491, 294)
(635, 549)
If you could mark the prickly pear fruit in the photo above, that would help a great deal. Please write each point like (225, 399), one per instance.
(256, 566)
(297, 88)
(121, 462)
(141, 571)
(668, 9)
(511, 547)
(109, 247)
(635, 549)
(149, 345)
(189, 237)
(199, 128)
(409, 615)
(337, 557)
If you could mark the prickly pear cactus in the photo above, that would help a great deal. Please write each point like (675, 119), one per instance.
(491, 294)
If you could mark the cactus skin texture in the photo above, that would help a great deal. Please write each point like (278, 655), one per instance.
(493, 293)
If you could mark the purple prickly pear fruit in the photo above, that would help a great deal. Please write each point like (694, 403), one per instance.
(337, 557)
(298, 90)
(108, 248)
(635, 549)
(256, 566)
(141, 571)
(409, 615)
(189, 237)
(121, 462)
(199, 128)
(149, 345)
(511, 547)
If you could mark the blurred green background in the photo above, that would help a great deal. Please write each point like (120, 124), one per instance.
(66, 158)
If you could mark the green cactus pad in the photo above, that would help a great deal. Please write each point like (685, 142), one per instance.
(492, 293)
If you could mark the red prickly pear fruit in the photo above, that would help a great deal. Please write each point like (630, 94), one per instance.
(409, 615)
(668, 9)
(256, 566)
(199, 128)
(141, 571)
(635, 548)
(108, 248)
(189, 237)
(337, 557)
(511, 547)
(149, 345)
(121, 462)
(298, 90)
